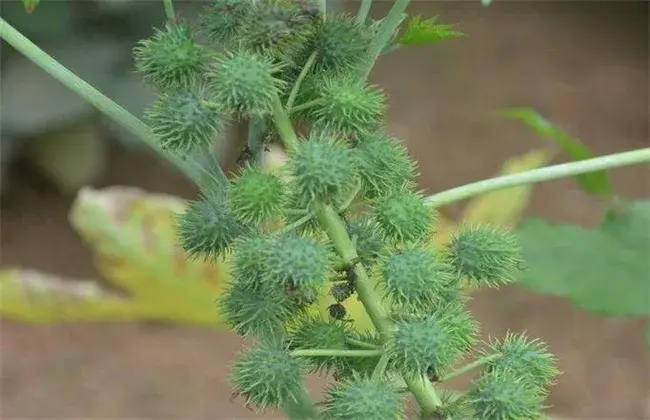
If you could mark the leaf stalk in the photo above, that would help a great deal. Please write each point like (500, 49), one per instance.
(548, 173)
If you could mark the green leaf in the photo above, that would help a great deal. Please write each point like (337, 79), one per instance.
(605, 270)
(30, 5)
(630, 224)
(596, 183)
(420, 31)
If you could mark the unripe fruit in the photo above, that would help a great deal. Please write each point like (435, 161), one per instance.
(416, 279)
(268, 376)
(528, 359)
(363, 398)
(385, 164)
(504, 396)
(425, 344)
(485, 255)
(277, 28)
(259, 309)
(324, 169)
(314, 332)
(206, 229)
(348, 105)
(342, 44)
(223, 20)
(171, 59)
(243, 82)
(367, 237)
(256, 196)
(297, 262)
(404, 217)
(183, 123)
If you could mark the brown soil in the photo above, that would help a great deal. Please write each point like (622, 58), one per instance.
(583, 65)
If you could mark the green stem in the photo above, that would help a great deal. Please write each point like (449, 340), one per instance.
(105, 105)
(421, 388)
(534, 176)
(388, 27)
(362, 344)
(470, 366)
(348, 202)
(305, 105)
(336, 353)
(255, 142)
(297, 223)
(381, 366)
(284, 126)
(301, 77)
(364, 10)
(169, 10)
(302, 408)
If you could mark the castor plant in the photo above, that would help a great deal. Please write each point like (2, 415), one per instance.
(343, 217)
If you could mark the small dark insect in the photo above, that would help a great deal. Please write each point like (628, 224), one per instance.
(341, 291)
(337, 311)
(246, 155)
(433, 375)
(439, 414)
(351, 274)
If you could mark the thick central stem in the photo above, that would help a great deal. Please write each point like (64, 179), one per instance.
(421, 388)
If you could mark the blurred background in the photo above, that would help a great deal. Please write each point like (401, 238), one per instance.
(583, 65)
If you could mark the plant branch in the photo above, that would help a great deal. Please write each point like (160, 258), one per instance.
(421, 388)
(302, 408)
(470, 366)
(362, 344)
(380, 368)
(348, 201)
(191, 169)
(284, 126)
(564, 170)
(169, 10)
(301, 77)
(387, 29)
(364, 10)
(306, 105)
(336, 353)
(288, 228)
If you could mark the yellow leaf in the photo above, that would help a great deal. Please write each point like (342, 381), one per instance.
(133, 237)
(40, 298)
(506, 207)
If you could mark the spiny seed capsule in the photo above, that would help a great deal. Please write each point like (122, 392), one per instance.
(171, 59)
(244, 82)
(404, 217)
(349, 106)
(224, 19)
(324, 169)
(337, 311)
(385, 164)
(485, 255)
(342, 44)
(183, 123)
(277, 28)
